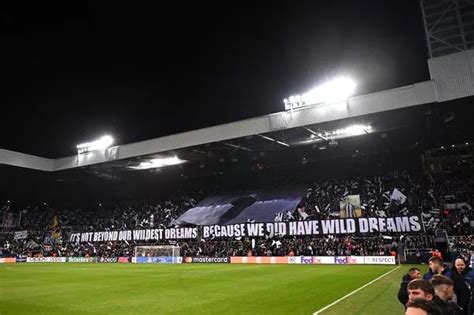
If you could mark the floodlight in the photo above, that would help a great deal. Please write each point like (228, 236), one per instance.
(274, 140)
(159, 162)
(337, 90)
(101, 143)
(356, 130)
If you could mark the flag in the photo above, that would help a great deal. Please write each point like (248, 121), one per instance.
(8, 220)
(289, 215)
(398, 197)
(52, 234)
(350, 206)
(54, 228)
(278, 217)
(31, 244)
(303, 213)
(19, 235)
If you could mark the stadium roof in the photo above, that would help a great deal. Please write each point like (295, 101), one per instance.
(452, 77)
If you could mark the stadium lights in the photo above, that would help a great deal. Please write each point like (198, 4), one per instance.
(157, 163)
(330, 137)
(102, 143)
(354, 130)
(274, 140)
(337, 90)
(349, 131)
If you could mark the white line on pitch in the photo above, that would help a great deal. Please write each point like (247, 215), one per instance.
(353, 292)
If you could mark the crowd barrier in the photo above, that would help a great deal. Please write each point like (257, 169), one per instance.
(81, 259)
(318, 260)
(123, 260)
(299, 260)
(107, 259)
(46, 259)
(157, 260)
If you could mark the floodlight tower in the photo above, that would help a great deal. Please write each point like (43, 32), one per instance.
(449, 26)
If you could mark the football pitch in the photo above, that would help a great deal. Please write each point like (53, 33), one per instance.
(93, 288)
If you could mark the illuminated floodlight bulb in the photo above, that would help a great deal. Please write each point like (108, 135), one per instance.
(159, 162)
(333, 91)
(102, 143)
(357, 130)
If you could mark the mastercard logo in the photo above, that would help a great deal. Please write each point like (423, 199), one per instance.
(188, 259)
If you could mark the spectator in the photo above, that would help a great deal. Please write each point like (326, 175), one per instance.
(422, 307)
(460, 288)
(420, 289)
(468, 275)
(444, 290)
(413, 273)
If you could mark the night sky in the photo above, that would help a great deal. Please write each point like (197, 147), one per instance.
(72, 73)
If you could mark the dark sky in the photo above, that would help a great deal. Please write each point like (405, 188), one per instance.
(72, 73)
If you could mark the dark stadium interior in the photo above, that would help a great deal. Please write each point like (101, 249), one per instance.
(399, 140)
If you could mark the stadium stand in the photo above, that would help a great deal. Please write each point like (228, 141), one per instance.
(426, 195)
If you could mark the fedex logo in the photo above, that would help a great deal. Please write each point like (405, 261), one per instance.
(306, 259)
(341, 260)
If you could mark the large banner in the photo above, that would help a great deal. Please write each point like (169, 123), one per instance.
(316, 227)
(361, 226)
(135, 235)
(259, 206)
(20, 235)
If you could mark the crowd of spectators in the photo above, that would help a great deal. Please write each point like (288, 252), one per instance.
(104, 217)
(441, 201)
(307, 246)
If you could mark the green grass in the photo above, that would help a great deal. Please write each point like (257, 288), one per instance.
(88, 288)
